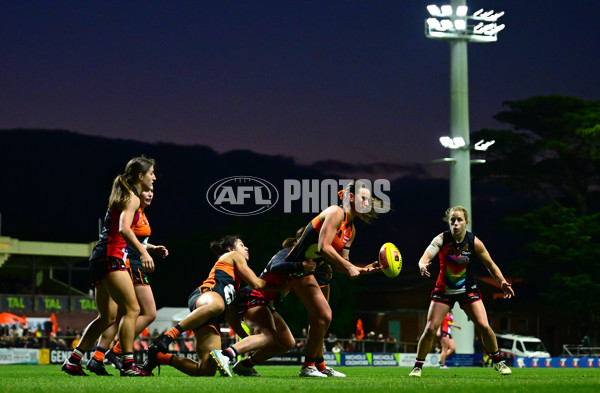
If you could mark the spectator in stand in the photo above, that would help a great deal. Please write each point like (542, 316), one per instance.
(392, 343)
(331, 341)
(337, 348)
(350, 346)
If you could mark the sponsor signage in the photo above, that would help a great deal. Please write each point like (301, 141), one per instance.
(16, 303)
(355, 359)
(560, 362)
(84, 304)
(52, 303)
(19, 356)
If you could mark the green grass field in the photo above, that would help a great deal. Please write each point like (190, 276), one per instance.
(49, 379)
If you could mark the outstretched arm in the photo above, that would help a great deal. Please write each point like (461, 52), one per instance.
(429, 254)
(486, 259)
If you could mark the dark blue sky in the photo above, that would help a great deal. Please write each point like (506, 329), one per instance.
(347, 80)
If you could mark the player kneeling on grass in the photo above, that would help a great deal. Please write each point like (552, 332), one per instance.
(208, 304)
(270, 335)
(456, 249)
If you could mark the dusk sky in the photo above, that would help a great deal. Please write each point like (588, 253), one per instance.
(346, 79)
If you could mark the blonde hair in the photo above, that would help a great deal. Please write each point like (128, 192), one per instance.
(453, 209)
(123, 184)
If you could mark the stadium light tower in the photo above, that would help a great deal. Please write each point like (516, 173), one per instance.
(454, 24)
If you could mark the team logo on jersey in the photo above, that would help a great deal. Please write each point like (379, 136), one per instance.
(242, 195)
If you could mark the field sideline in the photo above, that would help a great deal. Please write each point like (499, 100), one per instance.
(49, 379)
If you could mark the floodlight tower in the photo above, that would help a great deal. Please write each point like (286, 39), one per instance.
(452, 23)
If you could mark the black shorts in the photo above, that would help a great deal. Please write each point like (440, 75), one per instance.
(214, 322)
(446, 334)
(137, 273)
(246, 301)
(100, 268)
(323, 274)
(467, 297)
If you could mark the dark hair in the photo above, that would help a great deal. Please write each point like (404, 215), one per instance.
(121, 189)
(224, 244)
(290, 241)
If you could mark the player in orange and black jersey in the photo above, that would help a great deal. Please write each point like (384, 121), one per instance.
(207, 304)
(114, 289)
(143, 291)
(327, 240)
(258, 309)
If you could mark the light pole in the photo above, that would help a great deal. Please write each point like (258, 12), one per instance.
(452, 23)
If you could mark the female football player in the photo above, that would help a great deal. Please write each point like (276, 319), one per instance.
(457, 248)
(327, 240)
(446, 340)
(208, 304)
(114, 288)
(143, 291)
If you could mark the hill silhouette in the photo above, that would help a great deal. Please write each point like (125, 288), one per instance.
(56, 185)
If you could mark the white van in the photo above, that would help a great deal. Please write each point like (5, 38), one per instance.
(512, 345)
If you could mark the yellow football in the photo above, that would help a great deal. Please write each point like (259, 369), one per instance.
(390, 260)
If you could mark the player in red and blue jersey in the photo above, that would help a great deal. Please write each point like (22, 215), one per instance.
(446, 340)
(270, 335)
(457, 248)
(143, 291)
(114, 288)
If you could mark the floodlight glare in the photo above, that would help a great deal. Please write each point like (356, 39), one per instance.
(498, 29)
(446, 141)
(461, 10)
(447, 24)
(433, 23)
(455, 24)
(483, 145)
(495, 17)
(434, 10)
(452, 143)
(460, 24)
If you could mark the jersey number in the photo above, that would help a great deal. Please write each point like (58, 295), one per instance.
(229, 292)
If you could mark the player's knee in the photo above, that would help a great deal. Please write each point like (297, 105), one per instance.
(323, 320)
(132, 310)
(151, 316)
(287, 343)
(430, 331)
(217, 309)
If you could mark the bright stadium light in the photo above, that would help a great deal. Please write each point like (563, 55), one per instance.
(457, 24)
(454, 24)
(434, 10)
(483, 145)
(461, 10)
(452, 143)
